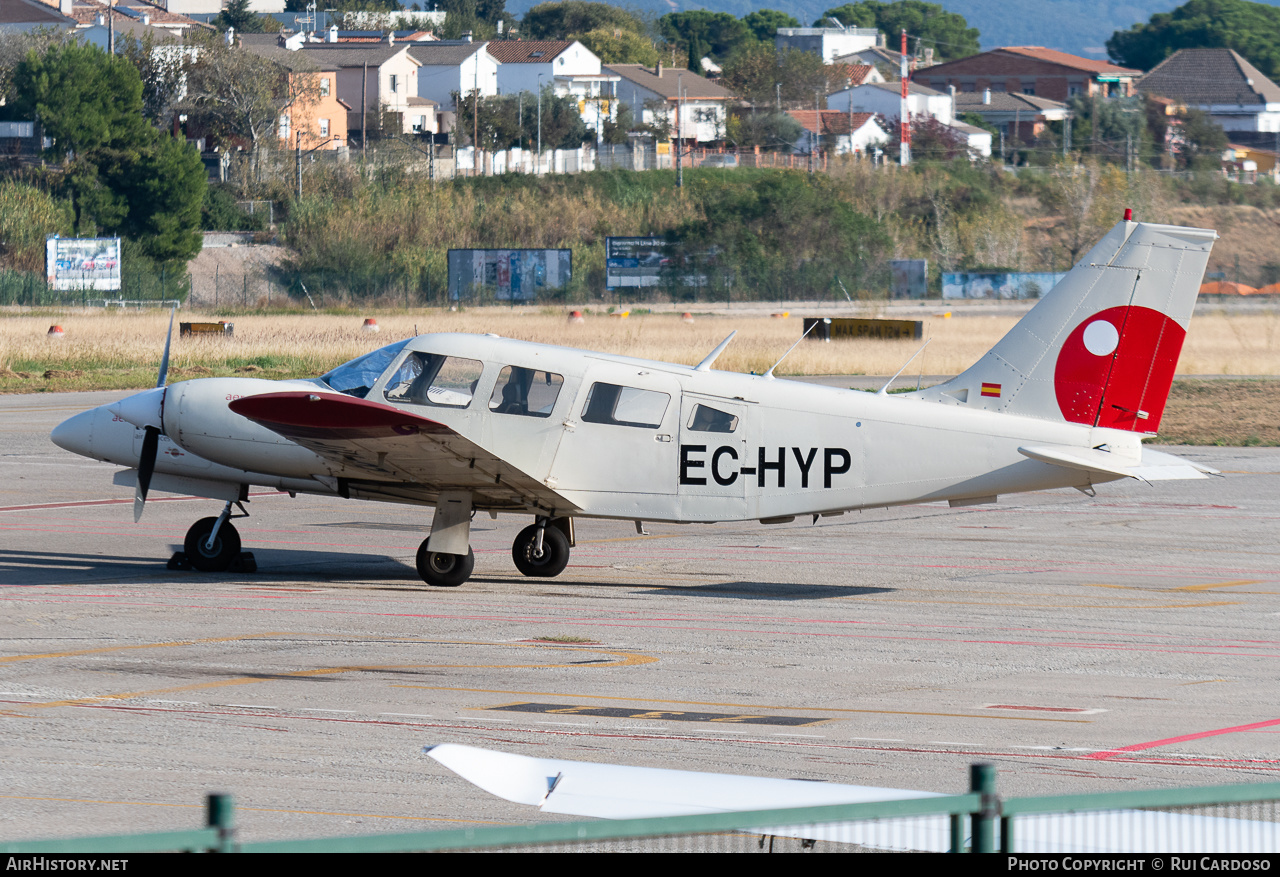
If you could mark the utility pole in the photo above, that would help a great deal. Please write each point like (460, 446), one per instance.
(679, 123)
(538, 167)
(297, 161)
(364, 114)
(904, 154)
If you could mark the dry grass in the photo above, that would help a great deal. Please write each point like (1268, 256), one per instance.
(120, 350)
(1231, 413)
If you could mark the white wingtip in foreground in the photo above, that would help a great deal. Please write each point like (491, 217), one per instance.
(611, 791)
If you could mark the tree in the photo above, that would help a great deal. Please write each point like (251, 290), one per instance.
(164, 188)
(620, 46)
(16, 45)
(120, 174)
(701, 32)
(756, 71)
(162, 67)
(1200, 142)
(240, 94)
(558, 21)
(1252, 29)
(931, 140)
(237, 14)
(947, 33)
(764, 23)
(84, 99)
(501, 126)
(767, 130)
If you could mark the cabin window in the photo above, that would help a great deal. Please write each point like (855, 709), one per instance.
(432, 379)
(707, 419)
(625, 406)
(357, 377)
(525, 391)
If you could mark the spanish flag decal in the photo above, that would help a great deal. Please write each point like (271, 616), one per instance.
(991, 390)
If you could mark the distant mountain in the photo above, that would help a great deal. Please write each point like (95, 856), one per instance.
(1080, 27)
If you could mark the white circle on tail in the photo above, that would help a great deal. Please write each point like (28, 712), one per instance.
(1100, 338)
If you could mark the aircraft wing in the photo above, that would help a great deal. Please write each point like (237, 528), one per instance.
(381, 443)
(612, 791)
(1151, 466)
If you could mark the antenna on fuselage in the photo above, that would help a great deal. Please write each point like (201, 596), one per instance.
(884, 391)
(705, 365)
(769, 374)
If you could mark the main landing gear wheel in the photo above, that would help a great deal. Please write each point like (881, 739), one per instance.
(553, 558)
(215, 558)
(444, 570)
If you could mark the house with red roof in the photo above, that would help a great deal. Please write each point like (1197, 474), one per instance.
(1030, 70)
(838, 132)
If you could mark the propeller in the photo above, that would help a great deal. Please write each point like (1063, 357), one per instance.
(151, 433)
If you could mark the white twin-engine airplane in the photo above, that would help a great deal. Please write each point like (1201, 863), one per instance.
(471, 423)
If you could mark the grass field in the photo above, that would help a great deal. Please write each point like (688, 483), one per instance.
(114, 350)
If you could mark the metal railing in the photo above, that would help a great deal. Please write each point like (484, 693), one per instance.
(1231, 819)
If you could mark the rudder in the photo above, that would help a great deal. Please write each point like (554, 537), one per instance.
(1101, 347)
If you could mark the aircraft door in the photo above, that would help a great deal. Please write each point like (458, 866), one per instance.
(713, 448)
(620, 435)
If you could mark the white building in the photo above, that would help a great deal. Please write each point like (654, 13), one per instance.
(694, 107)
(451, 66)
(570, 68)
(885, 98)
(838, 132)
(829, 42)
(1235, 94)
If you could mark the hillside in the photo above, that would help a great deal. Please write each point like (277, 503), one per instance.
(1077, 26)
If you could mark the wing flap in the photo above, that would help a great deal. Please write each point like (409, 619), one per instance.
(384, 444)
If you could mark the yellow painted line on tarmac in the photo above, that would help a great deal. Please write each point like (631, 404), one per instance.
(5, 659)
(627, 660)
(1212, 585)
(1065, 605)
(748, 706)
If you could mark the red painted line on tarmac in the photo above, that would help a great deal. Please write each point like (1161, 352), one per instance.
(518, 734)
(677, 627)
(1169, 741)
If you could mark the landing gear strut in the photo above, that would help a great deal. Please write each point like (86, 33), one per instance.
(541, 550)
(444, 570)
(212, 544)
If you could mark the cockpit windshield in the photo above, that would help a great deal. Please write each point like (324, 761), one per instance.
(358, 376)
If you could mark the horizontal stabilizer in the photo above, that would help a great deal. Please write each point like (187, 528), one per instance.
(1149, 466)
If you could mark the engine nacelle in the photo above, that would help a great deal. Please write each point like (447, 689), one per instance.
(196, 418)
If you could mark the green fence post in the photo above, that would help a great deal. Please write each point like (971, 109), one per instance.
(220, 812)
(982, 780)
(957, 833)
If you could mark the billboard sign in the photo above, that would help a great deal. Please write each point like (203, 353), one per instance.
(635, 261)
(82, 263)
(910, 277)
(508, 275)
(638, 262)
(1002, 284)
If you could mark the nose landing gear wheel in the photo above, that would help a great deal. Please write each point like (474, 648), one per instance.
(215, 558)
(444, 570)
(555, 552)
